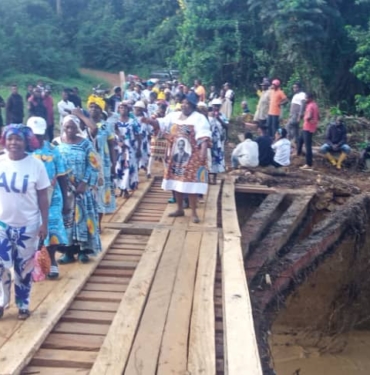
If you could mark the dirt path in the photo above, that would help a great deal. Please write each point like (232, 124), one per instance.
(111, 78)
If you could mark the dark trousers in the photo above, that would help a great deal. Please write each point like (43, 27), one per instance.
(306, 139)
(272, 125)
(50, 132)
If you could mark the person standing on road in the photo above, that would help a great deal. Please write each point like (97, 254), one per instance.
(65, 106)
(14, 107)
(277, 99)
(297, 109)
(23, 214)
(49, 105)
(57, 192)
(261, 114)
(311, 121)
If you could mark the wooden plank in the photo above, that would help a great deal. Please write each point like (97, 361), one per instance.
(82, 328)
(114, 353)
(230, 224)
(146, 347)
(126, 212)
(210, 218)
(70, 341)
(202, 351)
(99, 296)
(117, 264)
(95, 317)
(241, 354)
(94, 306)
(36, 370)
(254, 189)
(17, 352)
(174, 349)
(63, 358)
(109, 280)
(115, 273)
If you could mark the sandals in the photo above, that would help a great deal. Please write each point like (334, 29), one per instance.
(23, 314)
(195, 220)
(66, 259)
(177, 214)
(172, 200)
(54, 272)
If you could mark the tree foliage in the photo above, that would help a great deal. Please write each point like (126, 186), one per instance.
(323, 42)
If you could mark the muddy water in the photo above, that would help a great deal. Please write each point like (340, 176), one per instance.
(325, 327)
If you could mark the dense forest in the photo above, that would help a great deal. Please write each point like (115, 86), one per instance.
(323, 43)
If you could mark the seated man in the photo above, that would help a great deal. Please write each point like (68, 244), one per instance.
(265, 153)
(336, 140)
(245, 153)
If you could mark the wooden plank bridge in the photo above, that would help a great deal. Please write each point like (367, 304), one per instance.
(165, 296)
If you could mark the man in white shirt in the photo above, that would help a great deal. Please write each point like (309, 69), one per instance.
(297, 108)
(245, 153)
(64, 107)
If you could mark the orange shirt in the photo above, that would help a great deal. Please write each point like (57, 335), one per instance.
(276, 97)
(201, 92)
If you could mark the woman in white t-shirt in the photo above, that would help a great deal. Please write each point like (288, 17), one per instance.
(23, 214)
(281, 147)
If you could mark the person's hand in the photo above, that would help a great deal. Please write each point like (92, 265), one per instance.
(77, 112)
(81, 188)
(66, 210)
(43, 231)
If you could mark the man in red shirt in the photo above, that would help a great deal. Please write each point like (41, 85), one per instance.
(310, 123)
(49, 105)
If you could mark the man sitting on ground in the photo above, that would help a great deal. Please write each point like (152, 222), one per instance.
(245, 153)
(265, 153)
(336, 140)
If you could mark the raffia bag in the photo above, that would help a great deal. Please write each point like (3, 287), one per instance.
(42, 260)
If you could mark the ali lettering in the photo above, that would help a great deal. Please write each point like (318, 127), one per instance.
(12, 188)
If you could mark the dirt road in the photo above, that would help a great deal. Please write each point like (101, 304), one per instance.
(112, 78)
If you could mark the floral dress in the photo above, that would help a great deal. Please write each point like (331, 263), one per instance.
(55, 167)
(105, 194)
(145, 147)
(82, 223)
(127, 168)
(186, 172)
(218, 147)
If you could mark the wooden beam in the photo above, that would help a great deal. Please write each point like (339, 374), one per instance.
(115, 350)
(16, 353)
(145, 350)
(174, 349)
(202, 351)
(210, 217)
(240, 346)
(254, 189)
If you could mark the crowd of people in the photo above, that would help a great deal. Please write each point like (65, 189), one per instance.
(103, 145)
(276, 144)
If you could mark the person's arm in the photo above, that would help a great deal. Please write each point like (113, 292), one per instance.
(8, 110)
(88, 121)
(112, 155)
(328, 136)
(62, 111)
(63, 183)
(43, 203)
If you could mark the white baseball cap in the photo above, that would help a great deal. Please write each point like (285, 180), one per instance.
(37, 124)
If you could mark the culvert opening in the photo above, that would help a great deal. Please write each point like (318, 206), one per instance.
(311, 300)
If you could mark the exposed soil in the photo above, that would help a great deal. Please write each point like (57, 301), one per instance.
(111, 78)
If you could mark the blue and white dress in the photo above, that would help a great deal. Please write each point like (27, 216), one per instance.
(127, 168)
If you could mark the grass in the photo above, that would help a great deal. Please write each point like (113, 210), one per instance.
(85, 83)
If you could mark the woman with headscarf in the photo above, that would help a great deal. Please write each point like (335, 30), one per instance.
(188, 135)
(57, 192)
(81, 222)
(129, 133)
(103, 140)
(140, 112)
(23, 214)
